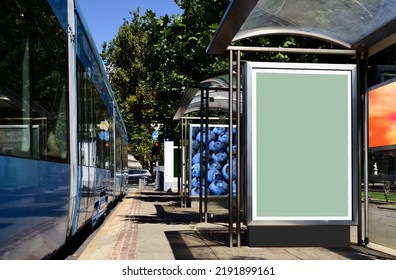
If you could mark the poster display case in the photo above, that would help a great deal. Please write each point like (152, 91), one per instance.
(218, 160)
(300, 141)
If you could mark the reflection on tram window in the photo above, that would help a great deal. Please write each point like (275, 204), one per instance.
(33, 82)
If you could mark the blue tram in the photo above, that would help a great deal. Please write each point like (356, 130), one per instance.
(63, 143)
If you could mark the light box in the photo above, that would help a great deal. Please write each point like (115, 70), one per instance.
(382, 116)
(299, 138)
(218, 160)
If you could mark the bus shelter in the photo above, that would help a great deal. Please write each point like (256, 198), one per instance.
(303, 160)
(209, 98)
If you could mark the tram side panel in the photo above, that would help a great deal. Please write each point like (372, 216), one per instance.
(34, 159)
(37, 211)
(34, 206)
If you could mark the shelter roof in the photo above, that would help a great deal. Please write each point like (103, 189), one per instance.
(218, 88)
(362, 25)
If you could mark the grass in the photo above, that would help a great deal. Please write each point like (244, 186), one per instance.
(380, 196)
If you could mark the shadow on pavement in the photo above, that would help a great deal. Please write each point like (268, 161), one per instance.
(361, 253)
(179, 247)
(210, 241)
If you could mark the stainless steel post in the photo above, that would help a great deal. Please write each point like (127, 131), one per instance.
(230, 118)
(238, 149)
(206, 97)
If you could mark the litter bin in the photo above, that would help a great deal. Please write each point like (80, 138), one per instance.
(159, 181)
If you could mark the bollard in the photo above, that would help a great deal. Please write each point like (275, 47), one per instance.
(140, 184)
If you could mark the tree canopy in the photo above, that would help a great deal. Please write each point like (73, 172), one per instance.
(152, 60)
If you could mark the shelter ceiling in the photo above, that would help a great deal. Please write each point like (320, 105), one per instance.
(352, 24)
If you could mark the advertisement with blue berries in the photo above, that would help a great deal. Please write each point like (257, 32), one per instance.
(218, 160)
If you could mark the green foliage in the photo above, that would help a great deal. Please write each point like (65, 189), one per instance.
(151, 62)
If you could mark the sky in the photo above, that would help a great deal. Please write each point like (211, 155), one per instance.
(104, 17)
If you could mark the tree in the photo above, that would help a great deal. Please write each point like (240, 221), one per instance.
(179, 44)
(124, 59)
(152, 60)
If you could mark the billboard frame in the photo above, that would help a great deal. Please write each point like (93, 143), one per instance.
(370, 90)
(204, 174)
(348, 214)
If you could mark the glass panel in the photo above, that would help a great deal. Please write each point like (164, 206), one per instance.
(87, 145)
(33, 82)
(382, 198)
(346, 21)
(95, 128)
(95, 124)
(60, 10)
(382, 164)
(91, 63)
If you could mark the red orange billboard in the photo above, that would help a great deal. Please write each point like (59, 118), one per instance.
(382, 116)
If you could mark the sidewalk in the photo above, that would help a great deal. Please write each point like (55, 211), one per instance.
(150, 225)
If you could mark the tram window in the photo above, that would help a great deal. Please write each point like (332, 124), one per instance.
(95, 140)
(86, 128)
(94, 150)
(33, 82)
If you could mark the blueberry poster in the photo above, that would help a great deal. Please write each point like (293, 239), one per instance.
(217, 160)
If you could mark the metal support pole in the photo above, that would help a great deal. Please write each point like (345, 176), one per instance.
(364, 232)
(238, 150)
(187, 164)
(230, 118)
(73, 125)
(201, 183)
(183, 147)
(206, 97)
(360, 88)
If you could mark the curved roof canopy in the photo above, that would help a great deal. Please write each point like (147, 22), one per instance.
(353, 24)
(218, 88)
